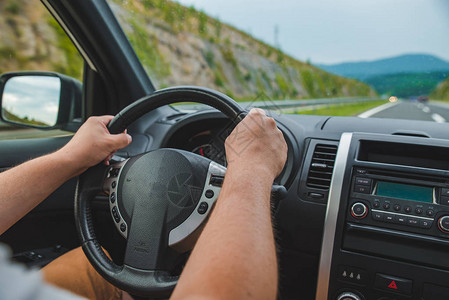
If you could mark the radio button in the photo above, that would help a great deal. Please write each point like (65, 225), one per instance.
(425, 224)
(443, 224)
(418, 210)
(378, 216)
(407, 209)
(413, 222)
(359, 210)
(397, 207)
(444, 200)
(363, 189)
(389, 218)
(362, 181)
(444, 192)
(387, 205)
(360, 171)
(376, 204)
(401, 219)
(429, 212)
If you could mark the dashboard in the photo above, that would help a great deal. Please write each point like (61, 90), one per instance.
(366, 215)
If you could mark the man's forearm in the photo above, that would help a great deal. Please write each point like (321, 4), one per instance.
(22, 188)
(235, 254)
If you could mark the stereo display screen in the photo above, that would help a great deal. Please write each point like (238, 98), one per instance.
(404, 191)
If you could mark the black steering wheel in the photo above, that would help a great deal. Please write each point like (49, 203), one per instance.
(159, 200)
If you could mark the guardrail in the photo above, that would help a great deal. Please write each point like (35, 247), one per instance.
(282, 104)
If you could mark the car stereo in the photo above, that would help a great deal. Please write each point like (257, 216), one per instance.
(394, 200)
(386, 232)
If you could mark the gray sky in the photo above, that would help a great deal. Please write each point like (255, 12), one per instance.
(333, 31)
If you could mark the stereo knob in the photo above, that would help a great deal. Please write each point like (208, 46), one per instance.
(443, 224)
(348, 296)
(359, 210)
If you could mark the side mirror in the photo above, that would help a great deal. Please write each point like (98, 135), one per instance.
(41, 100)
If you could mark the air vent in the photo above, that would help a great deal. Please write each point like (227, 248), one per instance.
(321, 167)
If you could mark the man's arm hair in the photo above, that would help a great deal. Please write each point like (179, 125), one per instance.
(235, 256)
(25, 186)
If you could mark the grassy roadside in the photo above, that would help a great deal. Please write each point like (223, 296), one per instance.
(343, 109)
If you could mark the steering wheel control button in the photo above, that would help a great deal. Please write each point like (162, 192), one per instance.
(393, 284)
(202, 209)
(363, 189)
(115, 214)
(112, 197)
(209, 194)
(443, 224)
(359, 210)
(114, 172)
(397, 207)
(114, 184)
(123, 227)
(348, 296)
(216, 181)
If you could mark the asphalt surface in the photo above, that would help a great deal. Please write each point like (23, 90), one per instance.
(411, 110)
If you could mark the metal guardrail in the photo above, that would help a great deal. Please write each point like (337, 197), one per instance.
(282, 104)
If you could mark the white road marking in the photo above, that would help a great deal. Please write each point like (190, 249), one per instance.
(426, 109)
(437, 118)
(377, 109)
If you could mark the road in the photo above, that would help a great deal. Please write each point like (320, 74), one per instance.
(411, 110)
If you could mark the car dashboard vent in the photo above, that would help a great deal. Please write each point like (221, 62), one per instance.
(321, 167)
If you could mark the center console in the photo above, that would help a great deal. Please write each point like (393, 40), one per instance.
(386, 233)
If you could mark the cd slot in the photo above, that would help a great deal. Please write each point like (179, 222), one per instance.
(401, 246)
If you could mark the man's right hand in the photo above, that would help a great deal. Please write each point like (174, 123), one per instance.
(256, 145)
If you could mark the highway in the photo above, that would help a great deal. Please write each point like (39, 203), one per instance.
(411, 110)
(431, 111)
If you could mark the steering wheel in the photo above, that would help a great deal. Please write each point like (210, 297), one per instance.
(159, 200)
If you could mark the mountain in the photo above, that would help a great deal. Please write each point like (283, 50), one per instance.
(409, 63)
(198, 50)
(442, 91)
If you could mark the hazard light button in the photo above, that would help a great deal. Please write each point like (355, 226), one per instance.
(393, 284)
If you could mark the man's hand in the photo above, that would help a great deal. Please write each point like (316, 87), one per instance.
(256, 144)
(93, 143)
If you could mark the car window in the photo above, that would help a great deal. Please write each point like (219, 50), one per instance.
(32, 40)
(351, 58)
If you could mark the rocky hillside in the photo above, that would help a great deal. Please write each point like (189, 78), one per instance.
(30, 39)
(177, 45)
(442, 91)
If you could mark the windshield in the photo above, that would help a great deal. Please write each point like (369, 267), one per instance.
(385, 59)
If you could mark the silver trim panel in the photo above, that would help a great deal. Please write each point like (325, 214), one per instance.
(330, 222)
(109, 190)
(193, 222)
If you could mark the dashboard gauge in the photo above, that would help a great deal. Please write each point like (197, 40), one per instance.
(212, 152)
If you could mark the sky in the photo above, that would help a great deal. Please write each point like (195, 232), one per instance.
(335, 31)
(35, 97)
